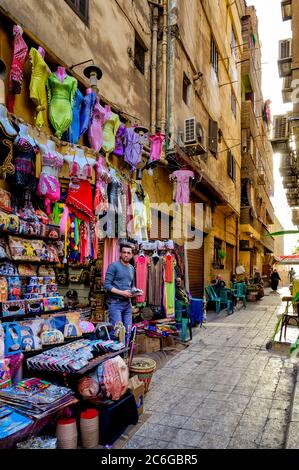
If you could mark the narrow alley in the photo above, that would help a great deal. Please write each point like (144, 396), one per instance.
(225, 391)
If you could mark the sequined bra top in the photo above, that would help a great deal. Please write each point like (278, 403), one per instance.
(25, 145)
(54, 160)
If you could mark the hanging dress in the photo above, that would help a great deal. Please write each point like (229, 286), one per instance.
(155, 281)
(61, 97)
(157, 141)
(95, 132)
(133, 147)
(141, 267)
(20, 51)
(39, 76)
(120, 139)
(109, 133)
(182, 178)
(87, 107)
(73, 132)
(169, 286)
(24, 160)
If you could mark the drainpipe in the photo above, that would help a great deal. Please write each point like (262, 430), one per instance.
(164, 67)
(154, 70)
(172, 28)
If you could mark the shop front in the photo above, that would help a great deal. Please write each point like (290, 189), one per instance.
(77, 181)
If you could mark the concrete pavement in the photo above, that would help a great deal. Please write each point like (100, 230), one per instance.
(224, 391)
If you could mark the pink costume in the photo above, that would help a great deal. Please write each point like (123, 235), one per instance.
(48, 185)
(20, 51)
(182, 185)
(111, 254)
(103, 177)
(141, 266)
(95, 132)
(156, 148)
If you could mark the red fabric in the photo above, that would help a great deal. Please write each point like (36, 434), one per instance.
(80, 201)
(141, 265)
(169, 268)
(89, 414)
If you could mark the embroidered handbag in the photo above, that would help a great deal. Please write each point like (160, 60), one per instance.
(5, 200)
(13, 308)
(12, 341)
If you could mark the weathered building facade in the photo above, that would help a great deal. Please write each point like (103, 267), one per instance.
(257, 167)
(285, 138)
(180, 67)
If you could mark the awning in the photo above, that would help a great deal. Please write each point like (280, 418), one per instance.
(288, 259)
(283, 232)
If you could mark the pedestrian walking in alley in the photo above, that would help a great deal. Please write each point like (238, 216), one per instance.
(275, 278)
(291, 275)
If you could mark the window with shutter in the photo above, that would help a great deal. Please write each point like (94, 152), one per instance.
(285, 49)
(80, 7)
(231, 165)
(213, 137)
(139, 54)
(280, 127)
(214, 55)
(234, 103)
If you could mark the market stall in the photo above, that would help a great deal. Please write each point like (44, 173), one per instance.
(65, 208)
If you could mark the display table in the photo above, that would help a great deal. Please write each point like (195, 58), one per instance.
(35, 428)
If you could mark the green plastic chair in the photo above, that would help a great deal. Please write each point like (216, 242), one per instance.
(183, 321)
(224, 299)
(213, 297)
(240, 292)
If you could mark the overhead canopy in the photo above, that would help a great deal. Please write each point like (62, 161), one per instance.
(282, 232)
(288, 259)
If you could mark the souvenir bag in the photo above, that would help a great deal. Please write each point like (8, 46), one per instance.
(53, 303)
(34, 306)
(3, 289)
(52, 337)
(30, 227)
(3, 221)
(4, 253)
(58, 322)
(13, 308)
(5, 200)
(13, 223)
(42, 217)
(8, 269)
(72, 327)
(14, 288)
(44, 270)
(49, 280)
(30, 341)
(5, 378)
(25, 249)
(27, 270)
(52, 254)
(12, 338)
(51, 232)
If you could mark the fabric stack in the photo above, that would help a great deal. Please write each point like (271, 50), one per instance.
(36, 398)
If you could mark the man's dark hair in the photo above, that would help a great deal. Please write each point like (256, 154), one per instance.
(125, 245)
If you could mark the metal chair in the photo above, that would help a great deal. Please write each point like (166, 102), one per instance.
(224, 299)
(213, 297)
(240, 292)
(182, 318)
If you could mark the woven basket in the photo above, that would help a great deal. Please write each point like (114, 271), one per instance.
(144, 367)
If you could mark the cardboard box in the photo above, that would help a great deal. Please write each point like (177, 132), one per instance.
(137, 388)
(152, 344)
(167, 341)
(140, 343)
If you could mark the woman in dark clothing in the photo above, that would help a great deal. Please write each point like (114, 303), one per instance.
(275, 278)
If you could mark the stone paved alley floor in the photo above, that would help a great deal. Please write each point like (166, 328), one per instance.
(225, 391)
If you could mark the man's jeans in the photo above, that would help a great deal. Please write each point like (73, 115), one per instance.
(121, 310)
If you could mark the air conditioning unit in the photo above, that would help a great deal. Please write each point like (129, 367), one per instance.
(194, 136)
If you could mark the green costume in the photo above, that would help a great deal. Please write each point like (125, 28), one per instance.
(61, 98)
(39, 76)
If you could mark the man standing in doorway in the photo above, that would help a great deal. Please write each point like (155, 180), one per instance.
(119, 282)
